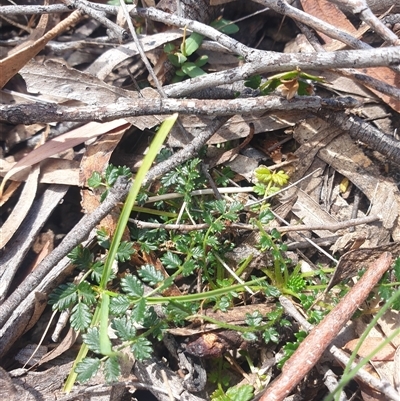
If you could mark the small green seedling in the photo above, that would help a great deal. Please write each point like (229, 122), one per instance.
(290, 83)
(269, 182)
(179, 56)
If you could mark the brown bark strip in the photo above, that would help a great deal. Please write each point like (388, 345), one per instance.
(311, 349)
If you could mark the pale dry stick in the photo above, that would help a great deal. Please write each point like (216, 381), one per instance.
(240, 226)
(259, 61)
(34, 10)
(224, 40)
(140, 49)
(206, 191)
(118, 32)
(307, 239)
(270, 62)
(362, 10)
(326, 241)
(330, 227)
(330, 380)
(99, 390)
(16, 24)
(284, 8)
(312, 348)
(233, 274)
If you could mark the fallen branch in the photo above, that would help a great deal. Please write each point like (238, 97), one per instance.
(46, 113)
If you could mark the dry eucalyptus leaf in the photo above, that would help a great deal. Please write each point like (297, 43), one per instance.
(353, 261)
(329, 12)
(61, 143)
(13, 63)
(370, 343)
(104, 64)
(54, 77)
(22, 207)
(96, 158)
(67, 342)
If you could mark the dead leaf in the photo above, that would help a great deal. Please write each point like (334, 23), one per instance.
(61, 143)
(389, 77)
(104, 64)
(289, 88)
(96, 158)
(13, 63)
(39, 307)
(7, 389)
(230, 154)
(329, 12)
(349, 160)
(22, 207)
(351, 262)
(45, 78)
(369, 344)
(67, 342)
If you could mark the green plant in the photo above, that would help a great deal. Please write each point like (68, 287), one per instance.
(290, 347)
(181, 57)
(181, 254)
(108, 179)
(269, 182)
(237, 393)
(291, 83)
(114, 293)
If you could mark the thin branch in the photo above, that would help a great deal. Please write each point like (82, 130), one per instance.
(268, 62)
(353, 74)
(46, 113)
(240, 226)
(224, 40)
(282, 7)
(118, 32)
(140, 49)
(362, 10)
(260, 62)
(34, 10)
(330, 227)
